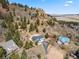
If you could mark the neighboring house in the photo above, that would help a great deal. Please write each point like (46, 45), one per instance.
(63, 40)
(10, 46)
(38, 38)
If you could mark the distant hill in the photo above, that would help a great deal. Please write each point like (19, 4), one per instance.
(68, 17)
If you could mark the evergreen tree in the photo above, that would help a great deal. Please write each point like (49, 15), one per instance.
(54, 19)
(19, 43)
(26, 7)
(8, 36)
(16, 26)
(37, 30)
(2, 53)
(24, 55)
(24, 24)
(10, 17)
(38, 22)
(14, 56)
(50, 22)
(28, 22)
(28, 45)
(14, 12)
(42, 23)
(39, 56)
(44, 30)
(31, 27)
(20, 5)
(3, 24)
(4, 3)
(46, 35)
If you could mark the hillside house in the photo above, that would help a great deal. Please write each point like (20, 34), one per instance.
(10, 46)
(63, 40)
(38, 38)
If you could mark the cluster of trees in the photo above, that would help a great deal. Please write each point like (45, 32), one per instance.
(14, 56)
(54, 19)
(50, 22)
(20, 5)
(31, 28)
(28, 45)
(12, 30)
(2, 53)
(23, 23)
(37, 22)
(4, 3)
(68, 23)
(46, 35)
(24, 55)
(34, 27)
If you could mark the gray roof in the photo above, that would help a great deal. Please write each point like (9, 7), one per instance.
(37, 38)
(10, 46)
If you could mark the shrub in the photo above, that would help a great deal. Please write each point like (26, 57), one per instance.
(14, 56)
(28, 45)
(44, 30)
(46, 35)
(66, 56)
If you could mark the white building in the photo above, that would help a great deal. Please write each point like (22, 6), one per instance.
(10, 46)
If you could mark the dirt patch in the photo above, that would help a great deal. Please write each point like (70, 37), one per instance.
(55, 53)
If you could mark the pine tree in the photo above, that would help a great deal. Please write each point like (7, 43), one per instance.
(54, 19)
(26, 7)
(16, 26)
(24, 55)
(46, 35)
(3, 24)
(50, 22)
(8, 36)
(14, 12)
(39, 56)
(37, 30)
(28, 22)
(38, 22)
(31, 27)
(2, 53)
(42, 23)
(44, 30)
(28, 45)
(4, 3)
(14, 56)
(23, 23)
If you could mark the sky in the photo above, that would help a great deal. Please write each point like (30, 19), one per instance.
(53, 6)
